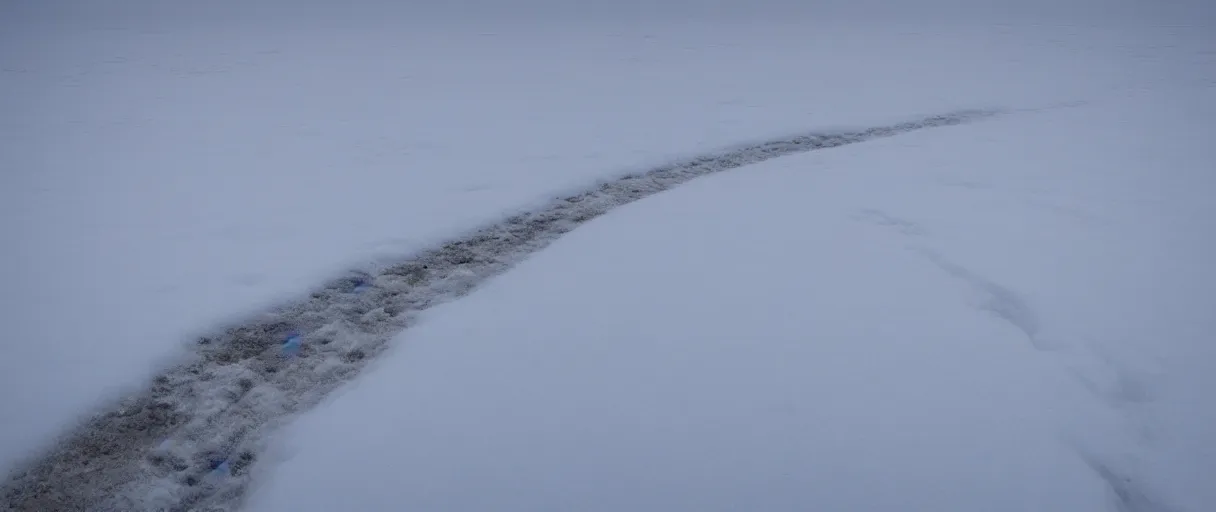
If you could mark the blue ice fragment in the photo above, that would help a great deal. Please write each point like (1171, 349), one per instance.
(291, 347)
(361, 286)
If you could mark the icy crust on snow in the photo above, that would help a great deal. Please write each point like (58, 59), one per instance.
(188, 441)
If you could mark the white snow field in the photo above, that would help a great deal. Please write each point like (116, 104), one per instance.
(1009, 315)
(1012, 313)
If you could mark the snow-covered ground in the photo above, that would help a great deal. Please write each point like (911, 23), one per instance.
(171, 166)
(996, 316)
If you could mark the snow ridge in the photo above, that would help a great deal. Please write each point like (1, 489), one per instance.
(188, 441)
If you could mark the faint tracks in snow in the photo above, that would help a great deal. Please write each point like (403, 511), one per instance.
(1105, 375)
(189, 440)
(998, 300)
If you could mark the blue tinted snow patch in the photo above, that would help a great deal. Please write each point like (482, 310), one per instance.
(291, 346)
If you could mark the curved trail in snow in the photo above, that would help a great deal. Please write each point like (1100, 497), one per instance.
(187, 441)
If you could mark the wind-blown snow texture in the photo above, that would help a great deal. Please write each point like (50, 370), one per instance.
(173, 166)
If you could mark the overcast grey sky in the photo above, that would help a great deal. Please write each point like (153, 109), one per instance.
(1064, 11)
